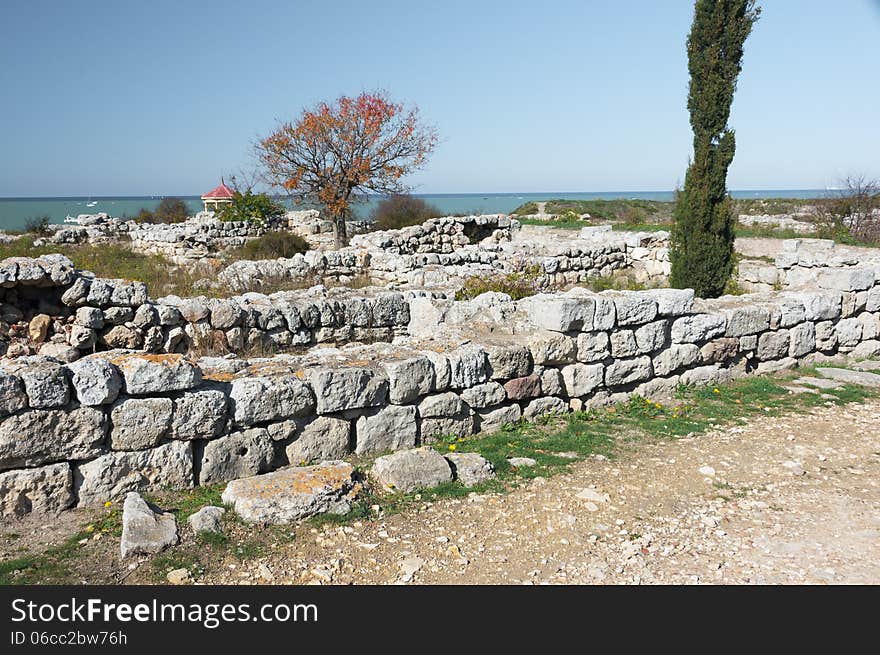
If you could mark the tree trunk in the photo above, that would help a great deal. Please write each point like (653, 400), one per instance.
(339, 231)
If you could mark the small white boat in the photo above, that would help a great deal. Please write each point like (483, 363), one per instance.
(92, 203)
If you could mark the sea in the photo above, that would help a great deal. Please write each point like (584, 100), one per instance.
(15, 212)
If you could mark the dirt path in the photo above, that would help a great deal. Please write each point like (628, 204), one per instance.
(791, 499)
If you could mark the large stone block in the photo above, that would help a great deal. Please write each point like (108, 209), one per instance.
(632, 307)
(623, 344)
(495, 418)
(651, 337)
(508, 361)
(322, 438)
(672, 302)
(45, 380)
(409, 470)
(238, 455)
(460, 425)
(581, 379)
(846, 279)
(151, 374)
(199, 414)
(261, 399)
(802, 340)
(849, 332)
(552, 348)
(139, 423)
(111, 476)
(409, 378)
(12, 395)
(773, 345)
(524, 387)
(699, 327)
(40, 436)
(145, 530)
(95, 381)
(559, 313)
(674, 357)
(627, 371)
(592, 347)
(746, 319)
(339, 389)
(45, 489)
(469, 365)
(820, 306)
(484, 395)
(292, 493)
(391, 428)
(544, 407)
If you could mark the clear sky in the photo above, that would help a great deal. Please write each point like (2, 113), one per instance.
(162, 97)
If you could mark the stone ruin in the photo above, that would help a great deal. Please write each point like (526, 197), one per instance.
(122, 398)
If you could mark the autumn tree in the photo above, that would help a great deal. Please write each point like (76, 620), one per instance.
(702, 238)
(335, 152)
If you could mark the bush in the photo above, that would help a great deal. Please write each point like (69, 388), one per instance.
(249, 206)
(271, 245)
(517, 285)
(400, 211)
(171, 210)
(38, 225)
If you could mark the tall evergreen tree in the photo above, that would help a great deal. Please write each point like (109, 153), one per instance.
(702, 239)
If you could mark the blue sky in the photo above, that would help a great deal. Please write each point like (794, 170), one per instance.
(132, 98)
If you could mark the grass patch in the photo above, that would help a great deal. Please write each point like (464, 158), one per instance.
(55, 564)
(271, 245)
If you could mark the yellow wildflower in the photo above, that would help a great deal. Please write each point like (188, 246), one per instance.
(715, 390)
(108, 503)
(452, 446)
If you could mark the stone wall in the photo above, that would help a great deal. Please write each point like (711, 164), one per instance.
(48, 307)
(86, 432)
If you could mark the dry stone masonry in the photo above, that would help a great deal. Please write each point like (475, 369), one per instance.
(120, 397)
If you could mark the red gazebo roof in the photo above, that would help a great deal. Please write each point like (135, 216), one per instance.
(222, 192)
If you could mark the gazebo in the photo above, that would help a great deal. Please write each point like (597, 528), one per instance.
(222, 195)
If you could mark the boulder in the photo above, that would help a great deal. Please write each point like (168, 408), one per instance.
(120, 336)
(470, 468)
(90, 317)
(82, 338)
(237, 455)
(409, 470)
(95, 381)
(38, 328)
(60, 351)
(543, 407)
(292, 493)
(495, 418)
(672, 302)
(149, 374)
(145, 530)
(391, 428)
(323, 438)
(207, 519)
(44, 489)
(51, 435)
(139, 423)
(110, 476)
(861, 378)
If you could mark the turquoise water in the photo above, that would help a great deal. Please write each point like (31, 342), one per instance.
(14, 212)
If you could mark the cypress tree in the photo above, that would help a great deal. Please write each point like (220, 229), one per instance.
(702, 238)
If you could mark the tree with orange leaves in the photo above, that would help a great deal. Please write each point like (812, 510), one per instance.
(337, 151)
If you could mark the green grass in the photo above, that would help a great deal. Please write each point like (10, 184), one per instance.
(54, 565)
(607, 432)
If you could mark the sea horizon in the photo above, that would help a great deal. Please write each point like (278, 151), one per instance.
(16, 211)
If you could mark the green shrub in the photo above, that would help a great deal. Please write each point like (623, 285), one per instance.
(249, 206)
(400, 211)
(170, 210)
(271, 245)
(37, 225)
(517, 285)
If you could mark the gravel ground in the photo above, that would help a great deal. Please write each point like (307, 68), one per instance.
(791, 499)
